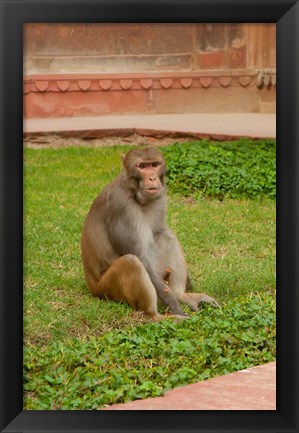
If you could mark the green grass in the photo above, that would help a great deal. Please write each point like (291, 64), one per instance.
(230, 249)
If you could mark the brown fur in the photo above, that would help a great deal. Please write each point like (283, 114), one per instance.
(128, 252)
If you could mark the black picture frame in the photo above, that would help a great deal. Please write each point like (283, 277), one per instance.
(15, 13)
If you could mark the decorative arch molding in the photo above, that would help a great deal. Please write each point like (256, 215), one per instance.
(146, 82)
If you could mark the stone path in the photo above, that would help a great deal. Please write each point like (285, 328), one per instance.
(213, 125)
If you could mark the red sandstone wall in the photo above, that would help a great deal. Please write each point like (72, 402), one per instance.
(92, 69)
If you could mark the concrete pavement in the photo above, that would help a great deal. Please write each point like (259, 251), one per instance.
(217, 126)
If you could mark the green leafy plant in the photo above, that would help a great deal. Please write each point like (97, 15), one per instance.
(146, 360)
(243, 168)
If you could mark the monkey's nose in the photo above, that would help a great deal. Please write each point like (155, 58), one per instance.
(152, 177)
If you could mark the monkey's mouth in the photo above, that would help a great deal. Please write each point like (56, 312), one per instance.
(152, 190)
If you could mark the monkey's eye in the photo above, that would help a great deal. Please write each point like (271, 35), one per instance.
(155, 164)
(142, 165)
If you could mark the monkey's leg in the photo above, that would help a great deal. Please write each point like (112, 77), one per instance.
(127, 280)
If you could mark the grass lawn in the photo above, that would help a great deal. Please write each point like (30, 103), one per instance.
(229, 247)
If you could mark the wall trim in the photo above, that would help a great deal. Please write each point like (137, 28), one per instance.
(44, 83)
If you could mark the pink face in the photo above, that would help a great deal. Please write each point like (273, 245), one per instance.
(150, 174)
(145, 169)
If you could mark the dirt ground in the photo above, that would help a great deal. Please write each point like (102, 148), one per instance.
(57, 141)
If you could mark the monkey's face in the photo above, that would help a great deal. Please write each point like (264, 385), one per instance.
(151, 179)
(146, 169)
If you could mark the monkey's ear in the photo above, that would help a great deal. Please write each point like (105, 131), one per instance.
(123, 156)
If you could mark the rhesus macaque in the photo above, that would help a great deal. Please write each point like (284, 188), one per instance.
(128, 252)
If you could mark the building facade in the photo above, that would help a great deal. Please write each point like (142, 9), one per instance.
(101, 69)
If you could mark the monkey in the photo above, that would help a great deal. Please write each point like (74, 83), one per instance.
(128, 252)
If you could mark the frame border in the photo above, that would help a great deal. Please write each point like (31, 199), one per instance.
(14, 13)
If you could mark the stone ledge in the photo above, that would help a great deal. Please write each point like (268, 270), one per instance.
(66, 95)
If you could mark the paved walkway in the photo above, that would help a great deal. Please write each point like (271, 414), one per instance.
(216, 126)
(251, 389)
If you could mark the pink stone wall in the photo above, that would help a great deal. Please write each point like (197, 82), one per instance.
(93, 69)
